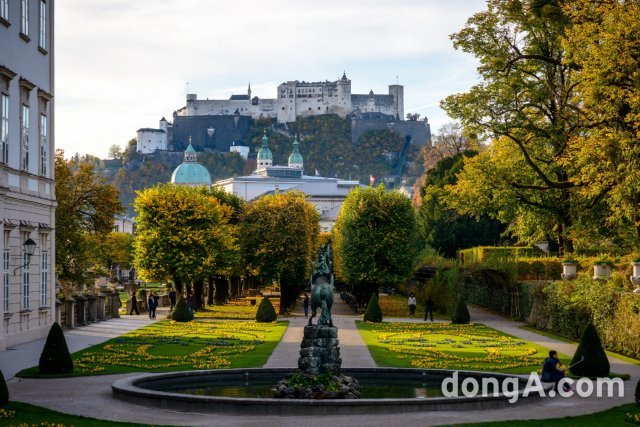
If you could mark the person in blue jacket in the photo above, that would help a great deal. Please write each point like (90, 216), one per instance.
(553, 370)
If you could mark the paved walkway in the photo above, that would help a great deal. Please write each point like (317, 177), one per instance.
(91, 396)
(353, 351)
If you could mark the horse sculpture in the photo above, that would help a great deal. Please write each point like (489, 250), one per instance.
(322, 287)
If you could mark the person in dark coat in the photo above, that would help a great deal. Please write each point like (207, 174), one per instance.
(305, 305)
(172, 298)
(152, 304)
(553, 370)
(134, 303)
(428, 308)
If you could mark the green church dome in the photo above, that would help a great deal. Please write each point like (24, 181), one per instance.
(295, 158)
(190, 172)
(265, 153)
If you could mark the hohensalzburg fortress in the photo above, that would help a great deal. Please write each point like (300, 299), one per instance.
(301, 99)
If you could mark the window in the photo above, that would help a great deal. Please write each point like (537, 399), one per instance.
(44, 149)
(43, 25)
(5, 280)
(4, 128)
(4, 10)
(25, 281)
(24, 17)
(25, 137)
(44, 278)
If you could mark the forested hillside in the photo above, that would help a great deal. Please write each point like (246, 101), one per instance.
(325, 144)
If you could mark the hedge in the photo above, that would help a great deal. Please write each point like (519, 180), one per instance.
(494, 256)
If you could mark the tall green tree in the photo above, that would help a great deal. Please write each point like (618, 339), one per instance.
(526, 98)
(86, 207)
(179, 229)
(279, 239)
(603, 43)
(443, 228)
(375, 240)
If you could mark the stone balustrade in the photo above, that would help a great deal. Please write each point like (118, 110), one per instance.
(80, 310)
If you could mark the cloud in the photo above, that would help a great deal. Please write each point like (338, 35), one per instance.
(121, 65)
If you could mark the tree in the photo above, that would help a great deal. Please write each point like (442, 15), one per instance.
(603, 43)
(55, 357)
(86, 206)
(448, 142)
(113, 251)
(266, 313)
(178, 229)
(441, 227)
(413, 117)
(374, 240)
(461, 312)
(373, 313)
(279, 239)
(4, 391)
(590, 359)
(527, 99)
(115, 152)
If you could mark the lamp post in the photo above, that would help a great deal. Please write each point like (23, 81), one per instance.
(29, 249)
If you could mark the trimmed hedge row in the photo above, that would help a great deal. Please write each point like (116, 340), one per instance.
(494, 256)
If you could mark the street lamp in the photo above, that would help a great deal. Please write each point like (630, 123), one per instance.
(29, 249)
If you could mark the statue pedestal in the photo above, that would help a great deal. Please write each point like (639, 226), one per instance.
(320, 350)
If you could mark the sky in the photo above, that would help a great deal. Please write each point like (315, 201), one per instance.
(122, 65)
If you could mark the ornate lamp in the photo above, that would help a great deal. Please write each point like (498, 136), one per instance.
(29, 249)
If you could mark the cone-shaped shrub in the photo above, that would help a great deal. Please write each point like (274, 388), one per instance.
(461, 313)
(55, 357)
(4, 391)
(181, 312)
(373, 313)
(266, 312)
(595, 362)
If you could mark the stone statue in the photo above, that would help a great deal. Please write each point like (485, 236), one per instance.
(322, 288)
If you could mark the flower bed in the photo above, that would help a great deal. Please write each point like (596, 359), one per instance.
(449, 346)
(175, 346)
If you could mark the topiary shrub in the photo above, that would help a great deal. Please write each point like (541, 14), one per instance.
(373, 313)
(55, 357)
(266, 313)
(590, 360)
(461, 314)
(4, 390)
(181, 312)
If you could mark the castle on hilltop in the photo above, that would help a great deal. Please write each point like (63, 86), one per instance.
(221, 125)
(301, 99)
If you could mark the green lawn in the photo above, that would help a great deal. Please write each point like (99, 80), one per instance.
(174, 346)
(449, 346)
(26, 415)
(611, 417)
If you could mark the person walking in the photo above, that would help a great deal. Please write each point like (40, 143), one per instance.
(151, 303)
(134, 303)
(412, 304)
(428, 308)
(172, 298)
(305, 305)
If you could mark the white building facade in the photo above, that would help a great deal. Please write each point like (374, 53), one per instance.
(27, 186)
(149, 140)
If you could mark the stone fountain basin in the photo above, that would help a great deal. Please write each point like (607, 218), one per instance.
(139, 389)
